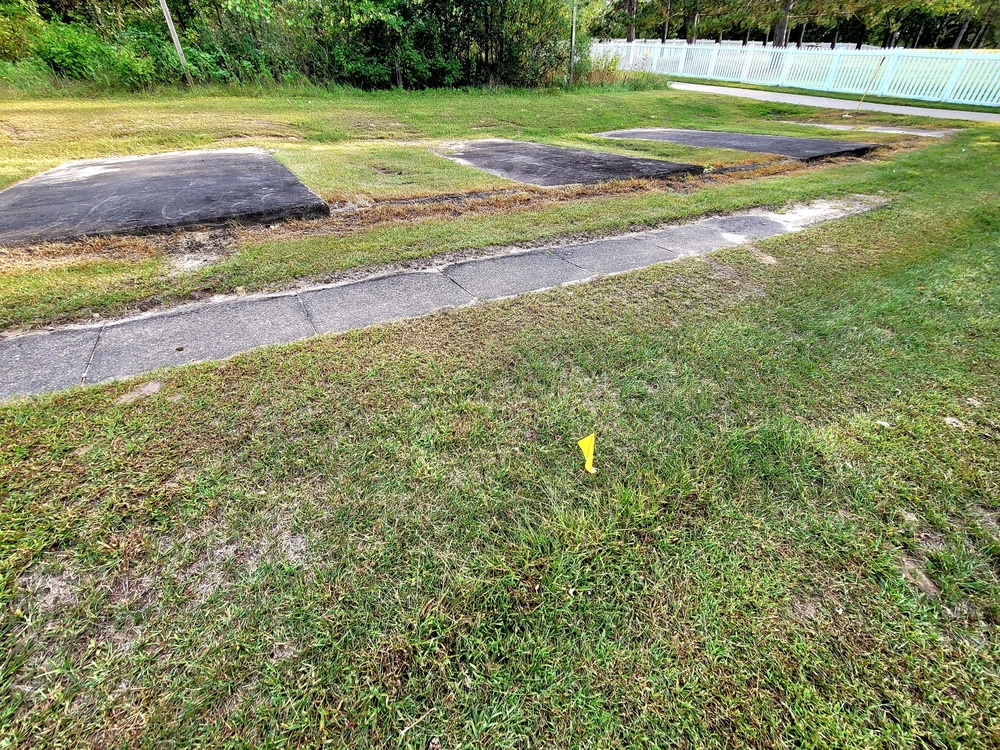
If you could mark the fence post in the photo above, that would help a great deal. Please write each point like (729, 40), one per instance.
(831, 76)
(889, 73)
(680, 65)
(786, 63)
(711, 61)
(949, 87)
(748, 53)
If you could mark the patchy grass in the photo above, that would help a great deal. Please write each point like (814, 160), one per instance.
(387, 537)
(369, 148)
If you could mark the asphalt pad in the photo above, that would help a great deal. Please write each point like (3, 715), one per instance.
(550, 166)
(145, 194)
(803, 149)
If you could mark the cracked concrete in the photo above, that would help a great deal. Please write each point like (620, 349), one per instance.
(37, 363)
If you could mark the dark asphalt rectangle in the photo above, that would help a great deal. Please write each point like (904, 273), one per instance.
(803, 149)
(144, 194)
(548, 166)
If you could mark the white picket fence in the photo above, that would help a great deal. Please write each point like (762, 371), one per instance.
(957, 77)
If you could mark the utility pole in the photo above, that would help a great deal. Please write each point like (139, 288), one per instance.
(177, 42)
(572, 45)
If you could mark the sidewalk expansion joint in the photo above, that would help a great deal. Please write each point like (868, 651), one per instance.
(93, 351)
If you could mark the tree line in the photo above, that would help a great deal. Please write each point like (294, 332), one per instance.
(888, 23)
(364, 43)
(424, 43)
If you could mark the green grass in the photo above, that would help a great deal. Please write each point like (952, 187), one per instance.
(385, 537)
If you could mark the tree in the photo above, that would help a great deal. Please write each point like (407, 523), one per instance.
(781, 27)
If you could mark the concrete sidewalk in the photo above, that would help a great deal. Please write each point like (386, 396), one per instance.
(831, 103)
(80, 355)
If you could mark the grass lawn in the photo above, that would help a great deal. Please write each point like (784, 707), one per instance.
(386, 538)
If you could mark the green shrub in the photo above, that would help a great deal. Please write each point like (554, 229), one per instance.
(73, 52)
(368, 44)
(19, 24)
(76, 52)
(603, 70)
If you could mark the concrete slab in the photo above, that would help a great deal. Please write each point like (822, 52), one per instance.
(617, 254)
(696, 239)
(548, 166)
(751, 226)
(492, 278)
(630, 252)
(37, 363)
(365, 303)
(40, 362)
(803, 149)
(143, 194)
(214, 331)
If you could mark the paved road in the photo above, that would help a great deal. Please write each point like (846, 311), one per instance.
(82, 355)
(830, 103)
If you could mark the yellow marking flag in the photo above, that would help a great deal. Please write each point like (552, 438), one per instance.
(587, 446)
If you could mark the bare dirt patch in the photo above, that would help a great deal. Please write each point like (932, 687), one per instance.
(805, 610)
(195, 250)
(185, 251)
(989, 519)
(931, 541)
(762, 257)
(51, 255)
(51, 591)
(720, 271)
(913, 572)
(209, 573)
(292, 547)
(146, 389)
(132, 590)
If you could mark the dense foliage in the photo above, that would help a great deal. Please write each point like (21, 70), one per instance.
(124, 44)
(366, 43)
(913, 23)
